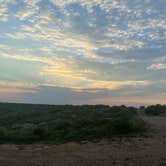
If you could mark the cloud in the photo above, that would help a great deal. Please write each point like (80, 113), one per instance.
(157, 66)
(106, 5)
(62, 95)
(84, 46)
(31, 58)
(14, 88)
(23, 15)
(14, 84)
(32, 3)
(4, 12)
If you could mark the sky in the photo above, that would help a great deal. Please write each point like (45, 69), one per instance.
(83, 51)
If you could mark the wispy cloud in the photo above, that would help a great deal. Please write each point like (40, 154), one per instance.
(158, 66)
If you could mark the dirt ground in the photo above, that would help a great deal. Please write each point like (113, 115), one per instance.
(137, 151)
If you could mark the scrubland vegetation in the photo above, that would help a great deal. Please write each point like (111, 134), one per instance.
(156, 110)
(23, 123)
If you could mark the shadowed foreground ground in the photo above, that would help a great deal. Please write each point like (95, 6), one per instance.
(143, 151)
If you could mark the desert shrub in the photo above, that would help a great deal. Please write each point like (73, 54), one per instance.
(122, 125)
(142, 107)
(126, 125)
(59, 124)
(156, 110)
(3, 132)
(39, 132)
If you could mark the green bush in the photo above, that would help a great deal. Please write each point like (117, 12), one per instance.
(156, 110)
(59, 124)
(125, 125)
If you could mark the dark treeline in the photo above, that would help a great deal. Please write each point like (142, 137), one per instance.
(41, 107)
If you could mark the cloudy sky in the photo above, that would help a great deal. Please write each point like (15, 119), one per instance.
(83, 51)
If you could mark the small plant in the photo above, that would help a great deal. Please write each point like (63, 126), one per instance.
(126, 125)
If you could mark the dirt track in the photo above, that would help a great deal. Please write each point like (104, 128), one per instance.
(140, 151)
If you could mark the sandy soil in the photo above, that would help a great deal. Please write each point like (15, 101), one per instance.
(140, 151)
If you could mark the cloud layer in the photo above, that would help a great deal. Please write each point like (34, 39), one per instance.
(103, 50)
